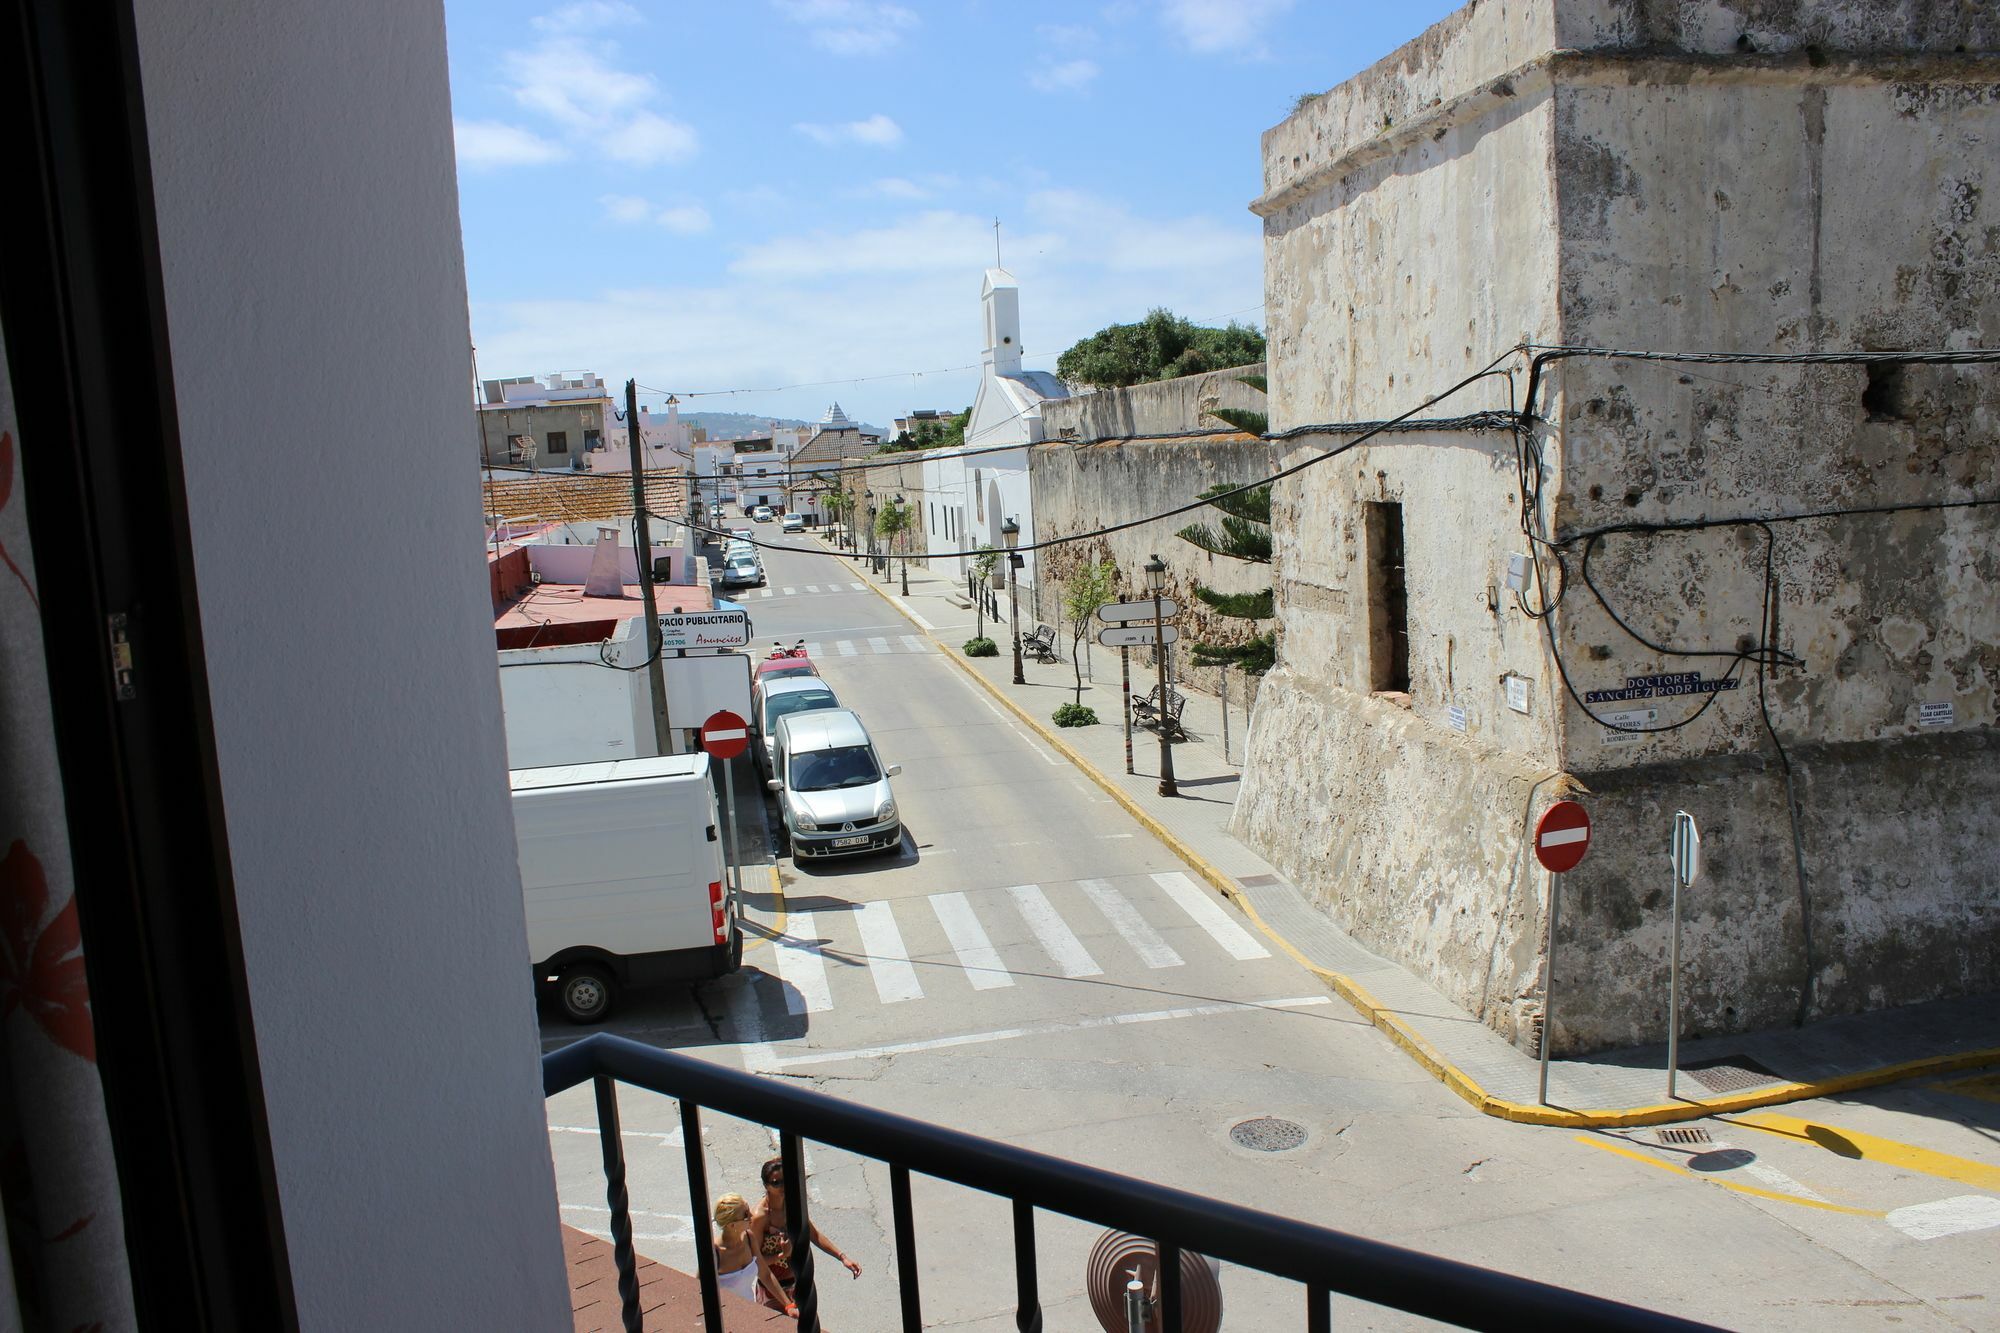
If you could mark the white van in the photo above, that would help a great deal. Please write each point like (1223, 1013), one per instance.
(623, 878)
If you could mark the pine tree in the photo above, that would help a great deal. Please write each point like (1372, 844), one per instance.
(1245, 535)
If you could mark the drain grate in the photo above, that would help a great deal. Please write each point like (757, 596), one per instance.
(1730, 1073)
(1268, 1134)
(1682, 1136)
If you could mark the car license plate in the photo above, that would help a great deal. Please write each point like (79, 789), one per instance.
(851, 842)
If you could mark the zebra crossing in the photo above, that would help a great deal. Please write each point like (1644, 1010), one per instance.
(876, 646)
(812, 589)
(875, 938)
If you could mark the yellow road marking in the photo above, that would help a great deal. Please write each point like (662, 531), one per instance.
(1867, 1147)
(1803, 1202)
(778, 924)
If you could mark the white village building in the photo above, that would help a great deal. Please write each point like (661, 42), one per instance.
(979, 486)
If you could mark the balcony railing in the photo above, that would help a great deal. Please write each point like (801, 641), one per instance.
(1322, 1260)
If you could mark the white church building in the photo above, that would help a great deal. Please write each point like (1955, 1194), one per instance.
(984, 483)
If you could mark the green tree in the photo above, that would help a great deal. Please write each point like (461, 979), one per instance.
(944, 434)
(1161, 346)
(982, 570)
(1245, 535)
(892, 523)
(1090, 587)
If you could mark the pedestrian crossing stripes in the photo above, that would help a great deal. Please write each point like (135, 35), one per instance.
(1041, 932)
(879, 647)
(811, 589)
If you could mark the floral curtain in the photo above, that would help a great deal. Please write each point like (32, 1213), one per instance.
(64, 1266)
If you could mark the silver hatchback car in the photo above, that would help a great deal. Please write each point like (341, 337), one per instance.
(832, 787)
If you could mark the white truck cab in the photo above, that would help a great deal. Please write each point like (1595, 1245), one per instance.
(623, 878)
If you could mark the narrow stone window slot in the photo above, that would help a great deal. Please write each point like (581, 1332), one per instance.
(1388, 601)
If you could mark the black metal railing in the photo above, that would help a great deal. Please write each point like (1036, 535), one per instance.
(1323, 1260)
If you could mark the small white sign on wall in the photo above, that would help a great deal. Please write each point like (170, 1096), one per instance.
(1517, 693)
(1646, 718)
(1456, 716)
(1942, 713)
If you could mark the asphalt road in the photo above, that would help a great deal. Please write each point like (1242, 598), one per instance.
(1034, 967)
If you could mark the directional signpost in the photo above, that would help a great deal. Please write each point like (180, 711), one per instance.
(726, 736)
(1117, 613)
(1686, 856)
(1137, 636)
(1561, 838)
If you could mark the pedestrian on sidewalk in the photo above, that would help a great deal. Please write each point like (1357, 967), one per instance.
(774, 1243)
(736, 1268)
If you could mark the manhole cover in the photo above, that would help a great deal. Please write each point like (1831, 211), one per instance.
(1684, 1136)
(1730, 1073)
(1268, 1134)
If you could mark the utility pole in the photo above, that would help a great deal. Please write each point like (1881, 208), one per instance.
(656, 676)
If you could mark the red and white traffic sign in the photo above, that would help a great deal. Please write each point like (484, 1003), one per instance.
(1562, 836)
(725, 735)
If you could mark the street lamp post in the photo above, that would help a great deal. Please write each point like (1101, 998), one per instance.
(868, 497)
(1010, 533)
(1156, 583)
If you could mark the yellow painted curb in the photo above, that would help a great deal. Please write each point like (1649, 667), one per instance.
(1413, 1042)
(777, 926)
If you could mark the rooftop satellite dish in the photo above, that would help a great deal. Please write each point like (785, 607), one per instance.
(1117, 1258)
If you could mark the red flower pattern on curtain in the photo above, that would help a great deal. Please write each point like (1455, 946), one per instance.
(41, 964)
(6, 491)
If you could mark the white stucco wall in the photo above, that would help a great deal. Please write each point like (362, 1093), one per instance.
(302, 164)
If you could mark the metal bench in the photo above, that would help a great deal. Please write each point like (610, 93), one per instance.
(1148, 712)
(1041, 644)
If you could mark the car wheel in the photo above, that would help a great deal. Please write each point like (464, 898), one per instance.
(585, 993)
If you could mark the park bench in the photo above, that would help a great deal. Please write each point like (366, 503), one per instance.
(1041, 644)
(1148, 712)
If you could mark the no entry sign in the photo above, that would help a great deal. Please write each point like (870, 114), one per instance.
(1562, 836)
(725, 735)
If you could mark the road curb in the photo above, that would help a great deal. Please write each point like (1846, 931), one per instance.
(1412, 1043)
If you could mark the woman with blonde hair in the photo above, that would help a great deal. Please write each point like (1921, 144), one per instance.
(737, 1269)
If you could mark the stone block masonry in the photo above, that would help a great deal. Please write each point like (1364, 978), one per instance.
(1639, 175)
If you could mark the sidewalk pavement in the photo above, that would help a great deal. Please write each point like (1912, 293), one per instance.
(1606, 1090)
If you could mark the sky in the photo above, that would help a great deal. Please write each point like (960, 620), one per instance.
(712, 197)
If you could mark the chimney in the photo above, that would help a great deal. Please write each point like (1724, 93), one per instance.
(605, 578)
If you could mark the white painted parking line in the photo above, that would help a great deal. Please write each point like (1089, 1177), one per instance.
(976, 953)
(888, 961)
(815, 650)
(1947, 1217)
(1057, 939)
(878, 645)
(919, 619)
(800, 964)
(790, 591)
(847, 649)
(1125, 919)
(1208, 914)
(763, 592)
(858, 587)
(812, 587)
(1077, 1025)
(913, 643)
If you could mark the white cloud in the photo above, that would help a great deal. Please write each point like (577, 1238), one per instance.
(625, 207)
(851, 27)
(649, 138)
(576, 84)
(895, 187)
(586, 16)
(1222, 27)
(878, 131)
(1068, 77)
(490, 143)
(901, 297)
(687, 219)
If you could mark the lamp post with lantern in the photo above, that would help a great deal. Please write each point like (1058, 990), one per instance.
(868, 500)
(1156, 583)
(1010, 533)
(903, 540)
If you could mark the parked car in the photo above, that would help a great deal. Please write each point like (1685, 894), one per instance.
(763, 514)
(745, 533)
(833, 790)
(622, 878)
(742, 571)
(794, 523)
(737, 548)
(779, 696)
